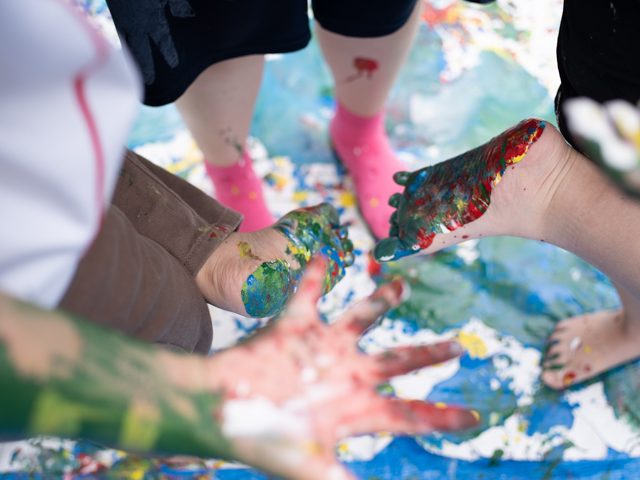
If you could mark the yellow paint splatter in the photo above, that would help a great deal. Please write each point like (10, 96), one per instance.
(522, 426)
(347, 200)
(245, 251)
(587, 349)
(440, 405)
(235, 190)
(294, 250)
(374, 202)
(473, 344)
(300, 196)
(253, 195)
(343, 448)
(281, 162)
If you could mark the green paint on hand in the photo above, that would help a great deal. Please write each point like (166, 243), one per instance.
(309, 231)
(267, 289)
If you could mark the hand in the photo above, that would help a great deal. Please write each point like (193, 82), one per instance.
(298, 386)
(256, 273)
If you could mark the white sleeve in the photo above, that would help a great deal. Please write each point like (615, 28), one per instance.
(67, 100)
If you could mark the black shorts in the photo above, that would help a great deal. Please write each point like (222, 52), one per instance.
(598, 53)
(173, 41)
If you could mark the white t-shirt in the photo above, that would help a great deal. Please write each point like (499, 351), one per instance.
(67, 101)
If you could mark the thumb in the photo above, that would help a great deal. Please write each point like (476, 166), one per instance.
(310, 289)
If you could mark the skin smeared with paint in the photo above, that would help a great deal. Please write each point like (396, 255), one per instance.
(310, 385)
(308, 231)
(279, 401)
(441, 198)
(365, 67)
(74, 379)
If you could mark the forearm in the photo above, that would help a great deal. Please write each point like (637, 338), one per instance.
(61, 376)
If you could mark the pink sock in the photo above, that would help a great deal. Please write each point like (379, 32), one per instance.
(239, 188)
(363, 147)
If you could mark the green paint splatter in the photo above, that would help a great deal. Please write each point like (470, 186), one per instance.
(267, 289)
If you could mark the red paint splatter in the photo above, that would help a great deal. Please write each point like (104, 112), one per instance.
(568, 378)
(364, 67)
(465, 236)
(373, 267)
(425, 239)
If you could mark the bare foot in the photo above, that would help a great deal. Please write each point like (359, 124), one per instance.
(587, 345)
(503, 187)
(584, 346)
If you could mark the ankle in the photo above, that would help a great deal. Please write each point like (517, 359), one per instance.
(348, 126)
(555, 164)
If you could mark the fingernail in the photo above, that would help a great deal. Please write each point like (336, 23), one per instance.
(406, 291)
(455, 348)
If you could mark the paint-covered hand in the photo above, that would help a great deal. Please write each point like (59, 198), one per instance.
(444, 197)
(314, 230)
(300, 385)
(256, 273)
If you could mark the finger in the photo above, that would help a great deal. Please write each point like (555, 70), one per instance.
(394, 200)
(406, 359)
(401, 178)
(347, 252)
(329, 212)
(327, 471)
(411, 417)
(310, 288)
(347, 245)
(363, 314)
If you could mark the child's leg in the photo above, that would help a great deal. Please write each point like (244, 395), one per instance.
(542, 189)
(217, 108)
(364, 70)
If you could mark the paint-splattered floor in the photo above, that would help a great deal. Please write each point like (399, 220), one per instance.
(473, 72)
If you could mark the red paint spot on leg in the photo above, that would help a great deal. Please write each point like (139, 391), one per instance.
(364, 67)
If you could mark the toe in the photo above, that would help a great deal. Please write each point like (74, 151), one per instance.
(386, 249)
(401, 178)
(552, 379)
(394, 200)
